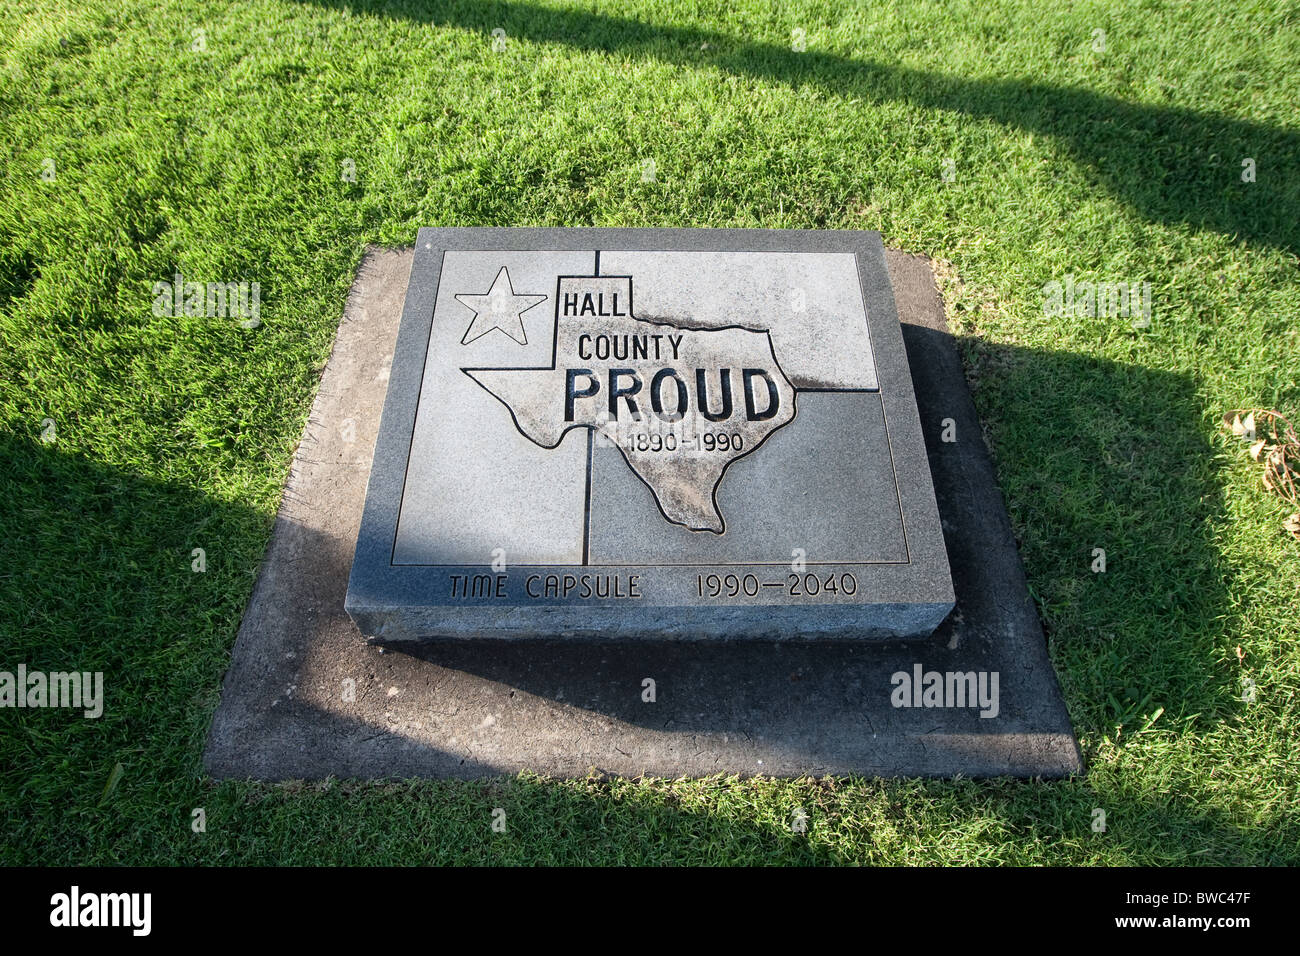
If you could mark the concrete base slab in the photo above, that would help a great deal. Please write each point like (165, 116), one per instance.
(307, 697)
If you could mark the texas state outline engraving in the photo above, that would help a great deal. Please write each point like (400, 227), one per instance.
(682, 404)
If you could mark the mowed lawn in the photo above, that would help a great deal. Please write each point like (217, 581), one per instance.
(1011, 141)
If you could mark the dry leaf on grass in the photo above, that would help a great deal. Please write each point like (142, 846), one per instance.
(1279, 450)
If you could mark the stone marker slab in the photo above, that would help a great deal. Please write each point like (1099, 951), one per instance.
(649, 433)
(306, 697)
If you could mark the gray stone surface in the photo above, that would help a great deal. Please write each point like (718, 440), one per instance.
(306, 697)
(681, 434)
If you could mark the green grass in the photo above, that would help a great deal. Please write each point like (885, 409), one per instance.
(224, 165)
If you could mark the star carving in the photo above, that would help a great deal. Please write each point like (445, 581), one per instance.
(499, 308)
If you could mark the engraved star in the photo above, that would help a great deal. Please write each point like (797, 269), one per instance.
(498, 308)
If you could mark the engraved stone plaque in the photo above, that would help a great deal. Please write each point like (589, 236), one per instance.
(673, 434)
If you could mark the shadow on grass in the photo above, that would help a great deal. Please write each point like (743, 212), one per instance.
(97, 575)
(1097, 456)
(1171, 164)
(1093, 454)
(721, 822)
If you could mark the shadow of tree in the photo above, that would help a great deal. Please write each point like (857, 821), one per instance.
(722, 822)
(1170, 164)
(97, 575)
(1091, 453)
